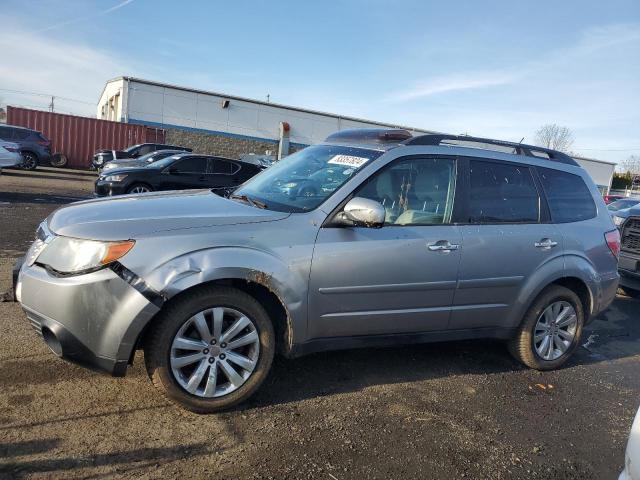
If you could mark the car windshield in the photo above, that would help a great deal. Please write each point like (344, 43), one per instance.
(622, 204)
(305, 179)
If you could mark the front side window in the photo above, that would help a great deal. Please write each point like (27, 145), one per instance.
(191, 165)
(568, 196)
(414, 191)
(502, 193)
(305, 179)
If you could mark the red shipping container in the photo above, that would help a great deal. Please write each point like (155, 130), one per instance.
(79, 137)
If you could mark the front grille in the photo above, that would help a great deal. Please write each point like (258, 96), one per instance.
(631, 235)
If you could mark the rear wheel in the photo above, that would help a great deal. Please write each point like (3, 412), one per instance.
(210, 349)
(139, 188)
(59, 160)
(550, 331)
(29, 161)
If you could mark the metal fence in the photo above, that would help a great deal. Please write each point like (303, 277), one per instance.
(79, 137)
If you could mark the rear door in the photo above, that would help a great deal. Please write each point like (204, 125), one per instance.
(506, 237)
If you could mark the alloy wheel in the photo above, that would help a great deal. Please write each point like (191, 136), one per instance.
(215, 352)
(139, 189)
(555, 330)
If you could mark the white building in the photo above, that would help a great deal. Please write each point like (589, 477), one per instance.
(133, 100)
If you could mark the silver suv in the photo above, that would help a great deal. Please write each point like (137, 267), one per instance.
(371, 238)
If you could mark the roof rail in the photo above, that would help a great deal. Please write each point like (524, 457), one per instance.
(519, 148)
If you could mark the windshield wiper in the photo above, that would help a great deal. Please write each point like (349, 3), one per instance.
(250, 201)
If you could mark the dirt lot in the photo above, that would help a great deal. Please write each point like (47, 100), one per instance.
(456, 410)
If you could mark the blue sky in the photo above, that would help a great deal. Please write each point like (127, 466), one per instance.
(491, 68)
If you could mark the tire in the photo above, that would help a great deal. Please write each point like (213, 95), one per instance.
(629, 292)
(161, 357)
(523, 347)
(139, 188)
(59, 160)
(29, 161)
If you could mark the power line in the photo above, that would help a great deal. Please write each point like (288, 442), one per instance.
(48, 95)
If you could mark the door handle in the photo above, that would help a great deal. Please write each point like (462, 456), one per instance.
(546, 244)
(442, 246)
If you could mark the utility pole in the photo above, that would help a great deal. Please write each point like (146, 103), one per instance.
(51, 104)
(268, 97)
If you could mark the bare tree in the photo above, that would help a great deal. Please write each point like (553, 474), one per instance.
(555, 137)
(630, 164)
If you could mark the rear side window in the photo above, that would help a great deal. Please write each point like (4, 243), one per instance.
(502, 193)
(222, 166)
(569, 198)
(20, 134)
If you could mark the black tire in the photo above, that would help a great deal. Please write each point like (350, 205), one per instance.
(29, 161)
(157, 346)
(522, 346)
(59, 160)
(135, 186)
(629, 292)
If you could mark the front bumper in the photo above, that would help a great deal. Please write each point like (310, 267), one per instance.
(629, 269)
(105, 189)
(93, 319)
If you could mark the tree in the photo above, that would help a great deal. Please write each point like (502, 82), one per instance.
(630, 165)
(555, 137)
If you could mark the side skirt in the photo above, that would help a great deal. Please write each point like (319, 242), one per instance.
(366, 341)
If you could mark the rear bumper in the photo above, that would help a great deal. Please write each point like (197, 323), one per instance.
(93, 320)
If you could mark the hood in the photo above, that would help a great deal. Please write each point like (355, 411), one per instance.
(131, 216)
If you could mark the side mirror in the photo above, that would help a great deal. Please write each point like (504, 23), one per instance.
(362, 212)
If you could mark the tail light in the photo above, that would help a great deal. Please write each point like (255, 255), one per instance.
(44, 143)
(613, 242)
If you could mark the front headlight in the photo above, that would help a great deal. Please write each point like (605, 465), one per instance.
(72, 255)
(114, 178)
(617, 221)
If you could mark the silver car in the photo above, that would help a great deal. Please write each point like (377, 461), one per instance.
(422, 239)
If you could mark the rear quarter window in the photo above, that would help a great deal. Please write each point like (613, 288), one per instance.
(568, 196)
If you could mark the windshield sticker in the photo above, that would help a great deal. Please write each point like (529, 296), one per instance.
(348, 171)
(348, 161)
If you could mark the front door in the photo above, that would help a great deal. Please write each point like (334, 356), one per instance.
(396, 279)
(505, 240)
(186, 173)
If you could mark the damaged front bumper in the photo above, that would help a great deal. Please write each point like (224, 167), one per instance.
(93, 319)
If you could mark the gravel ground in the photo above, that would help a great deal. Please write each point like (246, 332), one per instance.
(454, 410)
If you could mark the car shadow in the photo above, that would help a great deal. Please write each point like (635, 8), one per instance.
(22, 197)
(65, 466)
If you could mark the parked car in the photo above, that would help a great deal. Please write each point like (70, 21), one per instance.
(142, 161)
(9, 154)
(632, 455)
(101, 157)
(611, 198)
(623, 204)
(422, 240)
(34, 147)
(177, 172)
(630, 251)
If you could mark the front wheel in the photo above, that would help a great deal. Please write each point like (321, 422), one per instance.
(210, 349)
(139, 188)
(550, 331)
(29, 161)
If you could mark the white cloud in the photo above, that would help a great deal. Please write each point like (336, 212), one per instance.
(86, 17)
(32, 62)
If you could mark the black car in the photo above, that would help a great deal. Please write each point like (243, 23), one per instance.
(142, 161)
(135, 151)
(34, 146)
(177, 172)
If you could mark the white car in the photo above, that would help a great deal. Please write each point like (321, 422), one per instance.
(632, 456)
(9, 154)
